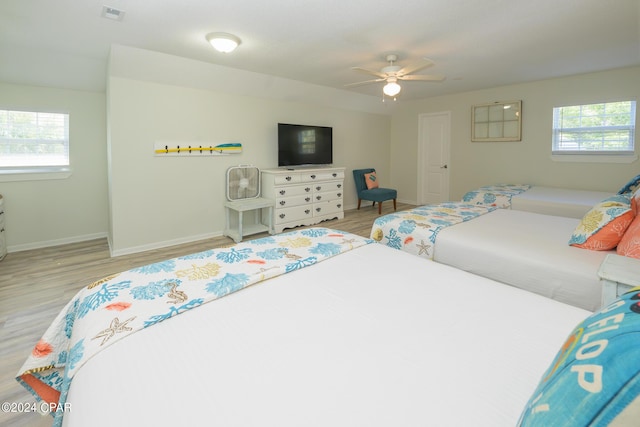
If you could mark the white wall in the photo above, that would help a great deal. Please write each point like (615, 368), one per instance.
(158, 201)
(529, 161)
(49, 212)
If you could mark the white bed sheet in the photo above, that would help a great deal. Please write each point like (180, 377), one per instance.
(526, 250)
(558, 201)
(373, 337)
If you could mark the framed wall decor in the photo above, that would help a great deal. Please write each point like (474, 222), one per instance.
(496, 121)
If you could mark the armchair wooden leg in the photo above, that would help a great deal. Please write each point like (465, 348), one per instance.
(394, 205)
(359, 201)
(379, 208)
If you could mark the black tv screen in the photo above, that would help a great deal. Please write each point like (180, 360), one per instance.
(300, 145)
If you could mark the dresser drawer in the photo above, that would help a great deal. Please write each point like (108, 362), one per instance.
(326, 196)
(295, 213)
(293, 190)
(328, 207)
(286, 202)
(327, 186)
(312, 176)
(291, 178)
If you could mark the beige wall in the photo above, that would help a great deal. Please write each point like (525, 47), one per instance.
(42, 213)
(158, 201)
(529, 161)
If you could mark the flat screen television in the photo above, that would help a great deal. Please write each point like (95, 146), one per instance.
(304, 145)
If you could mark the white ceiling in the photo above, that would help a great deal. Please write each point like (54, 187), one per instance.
(474, 43)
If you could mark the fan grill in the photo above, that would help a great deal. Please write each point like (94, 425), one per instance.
(243, 182)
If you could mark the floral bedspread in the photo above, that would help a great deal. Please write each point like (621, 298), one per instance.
(119, 305)
(415, 230)
(495, 195)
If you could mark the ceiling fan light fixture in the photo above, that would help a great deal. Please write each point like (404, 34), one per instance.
(223, 42)
(391, 89)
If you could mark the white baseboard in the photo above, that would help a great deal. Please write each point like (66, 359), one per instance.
(367, 202)
(56, 242)
(160, 245)
(135, 249)
(409, 202)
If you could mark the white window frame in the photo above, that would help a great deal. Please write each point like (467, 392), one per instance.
(46, 168)
(590, 155)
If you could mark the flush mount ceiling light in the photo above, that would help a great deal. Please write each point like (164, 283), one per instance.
(392, 88)
(223, 42)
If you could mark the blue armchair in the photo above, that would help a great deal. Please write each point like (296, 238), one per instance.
(375, 194)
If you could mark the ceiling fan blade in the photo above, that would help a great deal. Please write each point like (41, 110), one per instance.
(422, 78)
(371, 72)
(366, 82)
(412, 68)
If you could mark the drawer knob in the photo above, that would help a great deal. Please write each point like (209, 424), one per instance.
(306, 199)
(282, 203)
(307, 211)
(318, 209)
(313, 177)
(334, 174)
(318, 188)
(282, 192)
(339, 194)
(318, 197)
(288, 178)
(339, 185)
(307, 189)
(282, 216)
(339, 205)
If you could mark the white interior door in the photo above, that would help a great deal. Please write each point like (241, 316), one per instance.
(433, 157)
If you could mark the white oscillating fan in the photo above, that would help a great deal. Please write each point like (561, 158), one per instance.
(243, 182)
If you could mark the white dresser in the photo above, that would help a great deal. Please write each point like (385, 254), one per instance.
(304, 196)
(3, 240)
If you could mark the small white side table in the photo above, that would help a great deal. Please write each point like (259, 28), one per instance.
(618, 274)
(241, 206)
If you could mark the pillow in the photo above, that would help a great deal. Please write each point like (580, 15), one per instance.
(595, 377)
(630, 186)
(630, 243)
(371, 180)
(604, 225)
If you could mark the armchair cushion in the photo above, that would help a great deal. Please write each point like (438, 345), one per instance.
(378, 194)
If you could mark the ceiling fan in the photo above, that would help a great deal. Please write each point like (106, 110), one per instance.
(392, 73)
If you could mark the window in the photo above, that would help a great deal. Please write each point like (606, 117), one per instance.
(31, 140)
(606, 128)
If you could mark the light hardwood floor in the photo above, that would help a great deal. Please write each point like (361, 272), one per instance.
(35, 285)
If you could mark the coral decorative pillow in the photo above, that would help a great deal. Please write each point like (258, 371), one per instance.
(371, 180)
(630, 243)
(594, 379)
(602, 228)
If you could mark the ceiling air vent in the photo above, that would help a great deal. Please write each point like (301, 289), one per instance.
(112, 13)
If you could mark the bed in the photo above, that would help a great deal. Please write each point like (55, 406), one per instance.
(523, 249)
(533, 198)
(318, 327)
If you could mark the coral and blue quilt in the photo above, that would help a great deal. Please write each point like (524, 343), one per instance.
(415, 230)
(119, 305)
(495, 195)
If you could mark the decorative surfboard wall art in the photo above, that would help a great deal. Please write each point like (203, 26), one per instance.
(186, 149)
